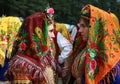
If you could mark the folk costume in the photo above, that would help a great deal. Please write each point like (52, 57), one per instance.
(99, 62)
(33, 61)
(63, 45)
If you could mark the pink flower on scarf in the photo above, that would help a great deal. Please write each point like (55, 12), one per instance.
(4, 38)
(50, 11)
(93, 65)
(22, 46)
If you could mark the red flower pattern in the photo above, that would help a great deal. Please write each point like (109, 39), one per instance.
(22, 46)
(94, 46)
(87, 57)
(33, 44)
(44, 48)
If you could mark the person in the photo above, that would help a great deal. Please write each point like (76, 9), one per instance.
(9, 26)
(75, 38)
(78, 45)
(99, 61)
(33, 61)
(63, 49)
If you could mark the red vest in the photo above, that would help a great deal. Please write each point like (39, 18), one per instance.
(56, 45)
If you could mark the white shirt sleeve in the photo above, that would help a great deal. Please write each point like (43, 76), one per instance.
(65, 47)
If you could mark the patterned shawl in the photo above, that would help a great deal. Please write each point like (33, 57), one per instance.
(103, 49)
(63, 30)
(9, 27)
(31, 50)
(32, 38)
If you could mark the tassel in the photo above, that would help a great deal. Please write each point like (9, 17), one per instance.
(36, 74)
(51, 62)
(113, 74)
(108, 79)
(41, 76)
(53, 65)
(23, 64)
(32, 72)
(104, 81)
(46, 61)
(15, 63)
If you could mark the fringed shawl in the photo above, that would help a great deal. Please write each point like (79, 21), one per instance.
(31, 52)
(103, 49)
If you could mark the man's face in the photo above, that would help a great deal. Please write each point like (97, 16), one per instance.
(83, 30)
(50, 31)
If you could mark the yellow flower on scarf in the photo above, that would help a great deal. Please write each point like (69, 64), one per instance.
(39, 33)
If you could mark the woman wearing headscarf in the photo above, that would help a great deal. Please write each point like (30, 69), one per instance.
(9, 26)
(33, 61)
(78, 44)
(99, 61)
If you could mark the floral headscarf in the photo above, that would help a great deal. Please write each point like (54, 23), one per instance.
(33, 36)
(103, 48)
(63, 30)
(9, 27)
(31, 50)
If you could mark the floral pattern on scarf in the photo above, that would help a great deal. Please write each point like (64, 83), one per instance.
(9, 27)
(32, 52)
(102, 47)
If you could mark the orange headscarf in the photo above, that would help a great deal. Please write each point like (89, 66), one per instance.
(103, 48)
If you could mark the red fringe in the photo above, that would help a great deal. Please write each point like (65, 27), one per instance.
(27, 66)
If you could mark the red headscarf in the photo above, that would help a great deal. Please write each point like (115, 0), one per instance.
(31, 51)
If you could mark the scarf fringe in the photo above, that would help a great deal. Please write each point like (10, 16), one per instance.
(26, 66)
(111, 75)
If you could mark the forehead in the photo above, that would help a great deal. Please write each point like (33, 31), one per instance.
(81, 21)
(50, 27)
